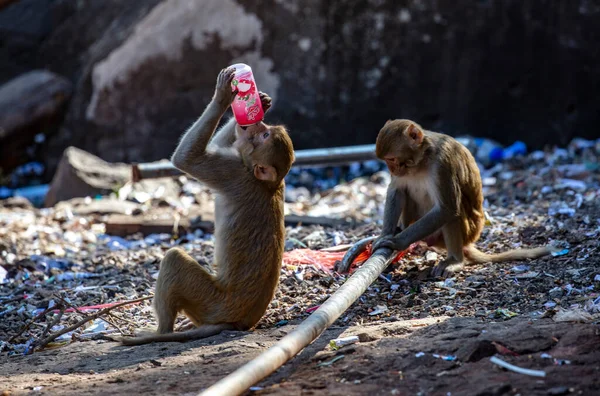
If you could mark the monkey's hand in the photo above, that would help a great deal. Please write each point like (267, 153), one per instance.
(265, 101)
(390, 242)
(223, 94)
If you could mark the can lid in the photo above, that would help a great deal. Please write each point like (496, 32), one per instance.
(241, 67)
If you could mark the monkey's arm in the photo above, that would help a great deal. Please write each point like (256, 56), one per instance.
(215, 168)
(435, 219)
(224, 136)
(192, 146)
(445, 210)
(391, 214)
(218, 168)
(394, 201)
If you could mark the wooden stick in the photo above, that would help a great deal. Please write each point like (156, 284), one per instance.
(273, 358)
(28, 325)
(83, 321)
(54, 321)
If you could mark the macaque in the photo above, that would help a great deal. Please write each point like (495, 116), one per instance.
(245, 167)
(435, 195)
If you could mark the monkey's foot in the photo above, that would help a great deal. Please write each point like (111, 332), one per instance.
(186, 324)
(446, 268)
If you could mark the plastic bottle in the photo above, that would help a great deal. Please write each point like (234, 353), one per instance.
(517, 148)
(247, 108)
(489, 152)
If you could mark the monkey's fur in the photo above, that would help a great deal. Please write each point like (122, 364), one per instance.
(245, 168)
(435, 195)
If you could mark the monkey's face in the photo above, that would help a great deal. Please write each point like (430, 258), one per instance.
(399, 165)
(398, 144)
(257, 134)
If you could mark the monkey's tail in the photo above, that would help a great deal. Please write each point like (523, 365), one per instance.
(353, 253)
(475, 256)
(196, 334)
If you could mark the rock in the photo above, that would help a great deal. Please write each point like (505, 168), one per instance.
(144, 70)
(520, 338)
(475, 350)
(32, 103)
(81, 174)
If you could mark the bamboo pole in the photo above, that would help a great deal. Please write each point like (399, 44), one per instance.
(274, 357)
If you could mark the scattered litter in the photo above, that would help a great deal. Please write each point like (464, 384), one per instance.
(379, 309)
(3, 274)
(520, 268)
(431, 256)
(448, 358)
(573, 315)
(572, 184)
(560, 252)
(527, 275)
(556, 292)
(446, 283)
(330, 362)
(312, 309)
(561, 362)
(508, 366)
(504, 312)
(593, 306)
(340, 342)
(63, 253)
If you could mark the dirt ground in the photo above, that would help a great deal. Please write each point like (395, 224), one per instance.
(385, 363)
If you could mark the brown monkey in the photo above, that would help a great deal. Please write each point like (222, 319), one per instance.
(245, 167)
(436, 194)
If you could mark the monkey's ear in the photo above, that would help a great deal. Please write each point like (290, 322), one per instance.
(266, 173)
(387, 122)
(414, 133)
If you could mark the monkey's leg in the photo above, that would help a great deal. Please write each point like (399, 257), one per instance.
(165, 304)
(183, 284)
(453, 240)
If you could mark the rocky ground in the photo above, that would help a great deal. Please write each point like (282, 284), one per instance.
(417, 335)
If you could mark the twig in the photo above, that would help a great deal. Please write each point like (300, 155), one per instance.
(83, 321)
(68, 304)
(54, 321)
(112, 323)
(11, 299)
(28, 325)
(119, 317)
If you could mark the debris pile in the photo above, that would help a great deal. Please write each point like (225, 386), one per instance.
(61, 266)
